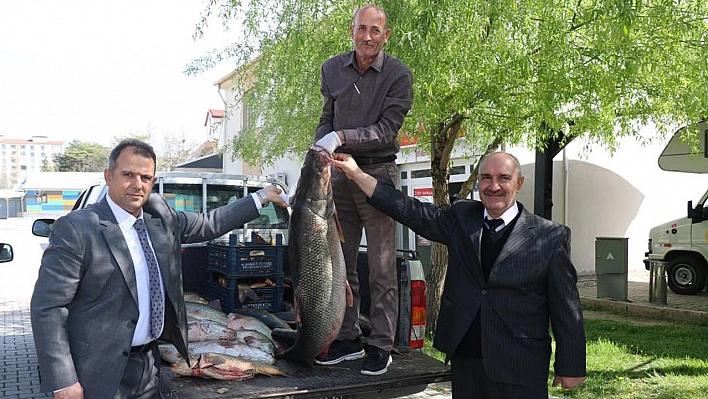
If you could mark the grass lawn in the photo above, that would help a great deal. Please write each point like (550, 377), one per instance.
(626, 359)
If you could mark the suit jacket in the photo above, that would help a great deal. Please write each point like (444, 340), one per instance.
(532, 282)
(84, 307)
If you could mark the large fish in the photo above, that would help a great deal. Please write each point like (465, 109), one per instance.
(223, 367)
(316, 261)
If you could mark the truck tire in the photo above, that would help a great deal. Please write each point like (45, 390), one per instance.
(687, 275)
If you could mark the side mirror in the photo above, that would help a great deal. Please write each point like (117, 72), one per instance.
(6, 253)
(42, 227)
(695, 214)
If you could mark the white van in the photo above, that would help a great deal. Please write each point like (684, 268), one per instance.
(683, 243)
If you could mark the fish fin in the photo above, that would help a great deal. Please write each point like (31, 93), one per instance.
(349, 294)
(295, 308)
(339, 226)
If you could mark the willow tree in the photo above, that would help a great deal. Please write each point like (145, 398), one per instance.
(486, 73)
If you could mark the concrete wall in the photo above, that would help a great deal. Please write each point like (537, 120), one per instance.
(620, 195)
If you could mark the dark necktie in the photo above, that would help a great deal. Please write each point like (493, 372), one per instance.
(493, 224)
(157, 306)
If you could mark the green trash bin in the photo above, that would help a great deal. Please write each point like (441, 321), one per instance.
(611, 267)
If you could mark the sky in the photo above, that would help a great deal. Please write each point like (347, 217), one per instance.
(91, 70)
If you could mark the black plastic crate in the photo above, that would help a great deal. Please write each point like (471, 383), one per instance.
(225, 289)
(246, 260)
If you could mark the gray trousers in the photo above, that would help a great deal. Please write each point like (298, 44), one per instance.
(141, 378)
(354, 214)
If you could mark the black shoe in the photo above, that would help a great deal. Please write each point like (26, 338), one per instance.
(376, 362)
(340, 351)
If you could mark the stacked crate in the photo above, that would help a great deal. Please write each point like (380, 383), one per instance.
(250, 264)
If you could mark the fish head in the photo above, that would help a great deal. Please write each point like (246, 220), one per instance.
(314, 183)
(183, 368)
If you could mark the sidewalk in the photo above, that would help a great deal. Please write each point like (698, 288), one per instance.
(683, 308)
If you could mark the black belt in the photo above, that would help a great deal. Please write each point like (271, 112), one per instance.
(374, 160)
(143, 348)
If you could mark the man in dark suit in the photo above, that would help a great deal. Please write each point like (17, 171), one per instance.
(509, 274)
(106, 292)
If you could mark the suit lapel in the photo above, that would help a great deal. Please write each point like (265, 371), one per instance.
(522, 235)
(116, 244)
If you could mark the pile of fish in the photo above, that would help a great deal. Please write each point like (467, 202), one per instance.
(225, 346)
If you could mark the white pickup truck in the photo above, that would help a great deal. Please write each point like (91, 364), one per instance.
(411, 370)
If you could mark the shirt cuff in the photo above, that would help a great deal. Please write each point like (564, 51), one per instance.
(257, 201)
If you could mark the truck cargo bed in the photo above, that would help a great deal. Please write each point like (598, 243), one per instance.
(408, 373)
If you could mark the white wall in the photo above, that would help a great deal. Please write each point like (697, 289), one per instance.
(620, 195)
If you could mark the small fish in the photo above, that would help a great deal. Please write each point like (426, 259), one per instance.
(169, 353)
(239, 322)
(205, 312)
(255, 339)
(224, 367)
(246, 292)
(231, 348)
(269, 319)
(208, 330)
(215, 366)
(264, 283)
(194, 297)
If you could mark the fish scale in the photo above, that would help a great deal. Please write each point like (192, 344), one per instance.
(316, 262)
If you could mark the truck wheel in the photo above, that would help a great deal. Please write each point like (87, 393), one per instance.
(687, 275)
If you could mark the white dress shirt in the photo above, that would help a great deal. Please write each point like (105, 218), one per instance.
(142, 275)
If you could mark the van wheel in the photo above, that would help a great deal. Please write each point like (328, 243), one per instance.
(687, 275)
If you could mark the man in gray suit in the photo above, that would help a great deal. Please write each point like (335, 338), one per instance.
(509, 274)
(92, 316)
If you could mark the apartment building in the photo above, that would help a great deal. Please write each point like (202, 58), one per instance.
(18, 157)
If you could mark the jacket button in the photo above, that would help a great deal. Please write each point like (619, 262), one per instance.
(484, 292)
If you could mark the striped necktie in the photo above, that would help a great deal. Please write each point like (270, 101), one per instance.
(157, 305)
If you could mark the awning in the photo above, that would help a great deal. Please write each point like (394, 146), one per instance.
(208, 163)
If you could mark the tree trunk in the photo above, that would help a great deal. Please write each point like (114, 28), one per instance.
(442, 142)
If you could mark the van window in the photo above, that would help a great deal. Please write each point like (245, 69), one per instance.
(188, 197)
(218, 195)
(182, 197)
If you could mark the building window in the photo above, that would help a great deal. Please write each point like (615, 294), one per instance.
(457, 170)
(421, 173)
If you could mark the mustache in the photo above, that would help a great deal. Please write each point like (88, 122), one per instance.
(492, 192)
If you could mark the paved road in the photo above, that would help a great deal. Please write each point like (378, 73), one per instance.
(19, 378)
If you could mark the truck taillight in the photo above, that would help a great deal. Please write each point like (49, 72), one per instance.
(418, 314)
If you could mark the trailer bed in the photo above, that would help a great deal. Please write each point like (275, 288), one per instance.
(408, 373)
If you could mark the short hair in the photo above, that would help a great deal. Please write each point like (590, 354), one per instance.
(137, 146)
(517, 164)
(375, 7)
